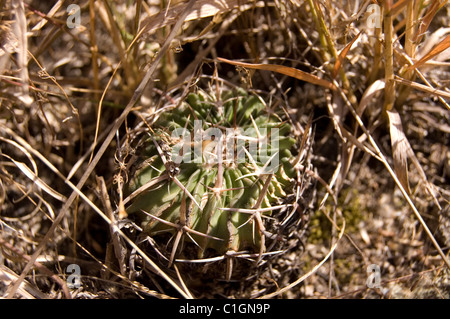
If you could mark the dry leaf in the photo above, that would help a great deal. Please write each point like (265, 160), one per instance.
(424, 88)
(426, 20)
(295, 73)
(440, 47)
(370, 92)
(399, 145)
(342, 56)
(20, 30)
(36, 180)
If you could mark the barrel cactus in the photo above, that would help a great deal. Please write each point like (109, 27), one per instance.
(216, 173)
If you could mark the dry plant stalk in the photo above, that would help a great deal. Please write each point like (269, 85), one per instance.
(389, 95)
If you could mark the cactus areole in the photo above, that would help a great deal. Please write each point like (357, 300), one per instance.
(212, 172)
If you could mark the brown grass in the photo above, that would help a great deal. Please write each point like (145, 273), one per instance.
(377, 98)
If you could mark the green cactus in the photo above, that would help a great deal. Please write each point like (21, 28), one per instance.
(211, 170)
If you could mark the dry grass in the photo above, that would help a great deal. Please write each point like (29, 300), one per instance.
(377, 96)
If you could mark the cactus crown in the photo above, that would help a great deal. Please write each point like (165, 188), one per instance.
(212, 171)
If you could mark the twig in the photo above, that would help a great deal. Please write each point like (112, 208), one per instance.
(388, 57)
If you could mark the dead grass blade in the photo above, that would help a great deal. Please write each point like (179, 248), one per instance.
(327, 40)
(440, 47)
(402, 151)
(342, 56)
(36, 180)
(292, 72)
(399, 148)
(427, 87)
(423, 88)
(38, 265)
(26, 290)
(201, 9)
(31, 174)
(427, 18)
(94, 49)
(410, 46)
(389, 88)
(20, 30)
(369, 94)
(50, 14)
(105, 12)
(180, 278)
(118, 244)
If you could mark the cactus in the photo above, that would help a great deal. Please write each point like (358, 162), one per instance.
(212, 172)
